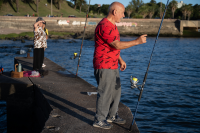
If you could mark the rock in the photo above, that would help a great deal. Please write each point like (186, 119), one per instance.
(21, 52)
(91, 39)
(30, 38)
(22, 41)
(15, 47)
(29, 49)
(26, 36)
(54, 36)
(72, 41)
(4, 47)
(62, 37)
(29, 46)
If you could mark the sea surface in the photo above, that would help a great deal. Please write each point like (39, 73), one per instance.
(171, 98)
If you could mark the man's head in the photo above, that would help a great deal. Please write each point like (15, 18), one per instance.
(116, 11)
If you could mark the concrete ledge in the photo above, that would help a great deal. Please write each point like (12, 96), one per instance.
(73, 110)
(129, 26)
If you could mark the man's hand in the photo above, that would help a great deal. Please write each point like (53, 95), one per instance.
(142, 39)
(122, 64)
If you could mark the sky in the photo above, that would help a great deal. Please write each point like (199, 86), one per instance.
(126, 2)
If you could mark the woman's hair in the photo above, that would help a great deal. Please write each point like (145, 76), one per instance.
(39, 19)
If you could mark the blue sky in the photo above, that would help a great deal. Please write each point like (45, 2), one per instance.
(126, 2)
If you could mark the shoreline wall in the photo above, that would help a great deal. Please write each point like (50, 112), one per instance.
(126, 26)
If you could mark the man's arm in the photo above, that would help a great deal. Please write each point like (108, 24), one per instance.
(123, 45)
(122, 63)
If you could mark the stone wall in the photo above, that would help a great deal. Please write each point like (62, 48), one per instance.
(126, 26)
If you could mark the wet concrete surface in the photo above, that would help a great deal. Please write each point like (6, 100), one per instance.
(73, 110)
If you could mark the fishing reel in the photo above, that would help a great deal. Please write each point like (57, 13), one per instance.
(134, 82)
(75, 55)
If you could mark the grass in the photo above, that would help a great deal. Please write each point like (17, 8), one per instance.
(190, 33)
(31, 34)
(13, 35)
(60, 33)
(25, 8)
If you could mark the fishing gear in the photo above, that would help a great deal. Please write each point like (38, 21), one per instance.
(75, 55)
(1, 70)
(134, 81)
(82, 39)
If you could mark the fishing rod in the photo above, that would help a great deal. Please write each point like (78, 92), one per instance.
(134, 80)
(82, 39)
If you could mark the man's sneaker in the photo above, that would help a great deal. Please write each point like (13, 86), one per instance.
(102, 124)
(116, 119)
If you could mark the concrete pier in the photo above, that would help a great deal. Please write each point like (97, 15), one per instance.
(59, 102)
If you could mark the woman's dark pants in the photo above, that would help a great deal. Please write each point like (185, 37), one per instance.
(38, 58)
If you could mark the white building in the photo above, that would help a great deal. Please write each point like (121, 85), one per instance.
(180, 4)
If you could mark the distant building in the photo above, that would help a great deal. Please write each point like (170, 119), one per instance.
(180, 4)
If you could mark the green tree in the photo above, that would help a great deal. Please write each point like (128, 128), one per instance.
(143, 10)
(151, 9)
(189, 10)
(129, 10)
(161, 10)
(152, 2)
(94, 8)
(59, 4)
(173, 6)
(75, 3)
(135, 4)
(80, 3)
(70, 4)
(184, 11)
(104, 9)
(196, 12)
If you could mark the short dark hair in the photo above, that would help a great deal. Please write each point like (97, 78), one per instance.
(39, 19)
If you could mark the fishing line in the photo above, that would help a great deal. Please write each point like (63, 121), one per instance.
(82, 39)
(134, 81)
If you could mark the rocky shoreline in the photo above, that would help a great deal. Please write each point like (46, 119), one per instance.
(88, 36)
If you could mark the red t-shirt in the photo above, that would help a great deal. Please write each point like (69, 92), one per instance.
(105, 56)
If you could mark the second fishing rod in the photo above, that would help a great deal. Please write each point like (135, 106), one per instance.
(82, 40)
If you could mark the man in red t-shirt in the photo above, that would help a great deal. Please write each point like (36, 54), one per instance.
(105, 62)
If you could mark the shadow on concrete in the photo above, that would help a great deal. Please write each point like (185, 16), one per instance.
(26, 65)
(177, 24)
(67, 110)
(23, 102)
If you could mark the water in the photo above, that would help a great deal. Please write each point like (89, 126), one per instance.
(171, 96)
